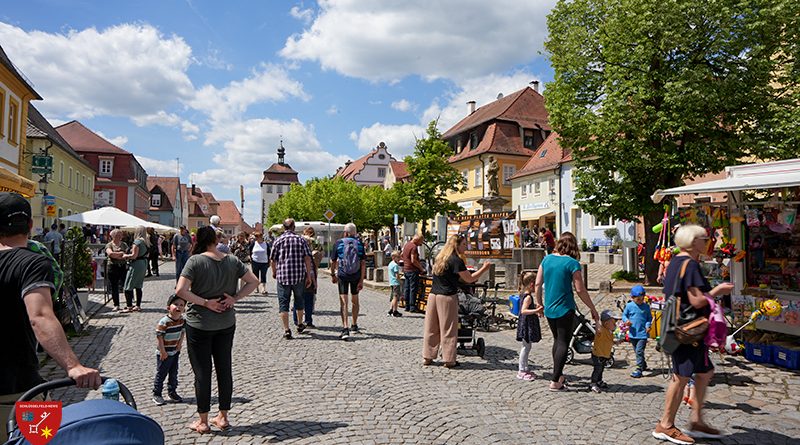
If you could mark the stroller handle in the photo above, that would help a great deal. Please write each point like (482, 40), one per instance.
(56, 384)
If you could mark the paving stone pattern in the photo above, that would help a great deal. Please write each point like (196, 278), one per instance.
(373, 389)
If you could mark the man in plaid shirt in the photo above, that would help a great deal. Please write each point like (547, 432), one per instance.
(291, 268)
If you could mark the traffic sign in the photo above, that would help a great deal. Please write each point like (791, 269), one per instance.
(42, 165)
(329, 215)
(49, 200)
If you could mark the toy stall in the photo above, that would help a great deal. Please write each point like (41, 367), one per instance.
(755, 243)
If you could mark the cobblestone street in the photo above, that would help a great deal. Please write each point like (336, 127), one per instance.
(372, 389)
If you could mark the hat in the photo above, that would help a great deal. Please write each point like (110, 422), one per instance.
(638, 291)
(172, 299)
(606, 315)
(14, 210)
(182, 226)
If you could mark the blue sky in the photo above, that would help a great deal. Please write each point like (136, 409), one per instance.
(217, 84)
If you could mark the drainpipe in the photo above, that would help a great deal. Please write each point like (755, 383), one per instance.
(557, 171)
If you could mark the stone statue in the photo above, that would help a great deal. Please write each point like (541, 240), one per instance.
(492, 176)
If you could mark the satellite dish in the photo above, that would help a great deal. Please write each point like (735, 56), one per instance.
(499, 96)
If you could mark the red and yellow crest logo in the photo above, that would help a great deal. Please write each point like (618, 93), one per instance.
(38, 421)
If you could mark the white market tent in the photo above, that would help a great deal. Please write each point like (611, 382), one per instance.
(112, 216)
(767, 175)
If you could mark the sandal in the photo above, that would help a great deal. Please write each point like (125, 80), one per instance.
(222, 427)
(427, 362)
(452, 365)
(200, 428)
(563, 387)
(126, 310)
(136, 309)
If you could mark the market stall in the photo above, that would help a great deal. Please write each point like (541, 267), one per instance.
(763, 243)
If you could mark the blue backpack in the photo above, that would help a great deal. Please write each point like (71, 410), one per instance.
(350, 263)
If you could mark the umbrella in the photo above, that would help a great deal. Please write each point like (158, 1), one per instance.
(160, 228)
(112, 216)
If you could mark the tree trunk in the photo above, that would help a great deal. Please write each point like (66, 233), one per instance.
(651, 265)
(424, 230)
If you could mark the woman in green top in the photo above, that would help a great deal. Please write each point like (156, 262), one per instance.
(209, 282)
(134, 280)
(558, 272)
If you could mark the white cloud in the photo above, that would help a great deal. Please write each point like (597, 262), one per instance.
(188, 129)
(119, 141)
(267, 83)
(332, 110)
(158, 167)
(403, 105)
(304, 15)
(400, 139)
(455, 39)
(124, 70)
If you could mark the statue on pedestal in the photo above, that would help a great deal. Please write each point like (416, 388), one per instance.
(492, 176)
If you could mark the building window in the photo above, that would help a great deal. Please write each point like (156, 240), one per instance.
(508, 172)
(106, 167)
(61, 172)
(70, 178)
(477, 211)
(527, 139)
(524, 190)
(2, 110)
(552, 185)
(597, 223)
(478, 177)
(279, 189)
(13, 121)
(381, 172)
(112, 198)
(537, 188)
(269, 188)
(78, 181)
(381, 157)
(155, 200)
(473, 140)
(465, 175)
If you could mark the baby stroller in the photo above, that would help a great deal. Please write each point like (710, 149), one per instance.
(98, 421)
(582, 338)
(470, 313)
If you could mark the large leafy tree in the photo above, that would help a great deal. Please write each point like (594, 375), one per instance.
(308, 202)
(425, 196)
(649, 92)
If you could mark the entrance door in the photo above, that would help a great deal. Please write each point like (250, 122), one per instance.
(577, 223)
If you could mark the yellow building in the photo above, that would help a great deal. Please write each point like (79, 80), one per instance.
(15, 96)
(71, 184)
(509, 129)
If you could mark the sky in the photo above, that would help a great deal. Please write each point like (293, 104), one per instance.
(209, 88)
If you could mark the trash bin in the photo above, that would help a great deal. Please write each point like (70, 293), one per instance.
(630, 259)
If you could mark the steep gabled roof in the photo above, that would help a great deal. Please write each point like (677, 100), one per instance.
(197, 201)
(6, 62)
(524, 107)
(399, 169)
(354, 167)
(228, 213)
(169, 186)
(280, 173)
(39, 127)
(83, 139)
(549, 156)
(500, 138)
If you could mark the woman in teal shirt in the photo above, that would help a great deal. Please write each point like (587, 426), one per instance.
(558, 272)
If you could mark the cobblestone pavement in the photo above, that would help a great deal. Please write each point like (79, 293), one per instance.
(373, 389)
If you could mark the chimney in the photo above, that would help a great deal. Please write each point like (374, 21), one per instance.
(471, 107)
(193, 190)
(535, 85)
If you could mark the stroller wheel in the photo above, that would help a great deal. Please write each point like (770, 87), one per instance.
(570, 355)
(610, 362)
(480, 347)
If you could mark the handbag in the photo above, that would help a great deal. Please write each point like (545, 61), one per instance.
(680, 327)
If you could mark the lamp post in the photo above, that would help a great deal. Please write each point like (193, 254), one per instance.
(43, 189)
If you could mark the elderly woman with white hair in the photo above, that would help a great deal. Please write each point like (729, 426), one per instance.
(685, 276)
(134, 280)
(116, 267)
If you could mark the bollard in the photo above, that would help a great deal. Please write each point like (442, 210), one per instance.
(379, 275)
(605, 286)
(513, 270)
(371, 273)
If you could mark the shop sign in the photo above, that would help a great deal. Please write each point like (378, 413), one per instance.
(50, 210)
(102, 198)
(535, 206)
(465, 205)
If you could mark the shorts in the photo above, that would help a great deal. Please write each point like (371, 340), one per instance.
(285, 292)
(397, 292)
(344, 286)
(688, 360)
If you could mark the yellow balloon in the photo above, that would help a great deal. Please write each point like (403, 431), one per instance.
(771, 308)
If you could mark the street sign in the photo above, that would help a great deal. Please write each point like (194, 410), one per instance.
(49, 200)
(42, 165)
(329, 215)
(50, 210)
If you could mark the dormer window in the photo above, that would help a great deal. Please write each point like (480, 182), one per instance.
(155, 200)
(528, 139)
(473, 140)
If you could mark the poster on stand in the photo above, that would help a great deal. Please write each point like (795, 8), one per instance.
(488, 235)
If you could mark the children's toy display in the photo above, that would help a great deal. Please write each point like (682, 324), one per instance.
(773, 247)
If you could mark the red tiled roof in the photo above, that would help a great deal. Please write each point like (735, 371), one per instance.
(196, 202)
(84, 139)
(500, 138)
(399, 169)
(229, 213)
(525, 107)
(169, 187)
(280, 173)
(547, 157)
(351, 170)
(210, 198)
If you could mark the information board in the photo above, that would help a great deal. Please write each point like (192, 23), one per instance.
(489, 235)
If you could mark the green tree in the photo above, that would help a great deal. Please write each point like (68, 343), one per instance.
(308, 202)
(647, 93)
(431, 178)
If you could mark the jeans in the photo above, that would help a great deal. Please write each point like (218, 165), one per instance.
(116, 276)
(410, 290)
(203, 346)
(599, 364)
(308, 306)
(260, 270)
(285, 292)
(561, 328)
(181, 257)
(164, 368)
(639, 345)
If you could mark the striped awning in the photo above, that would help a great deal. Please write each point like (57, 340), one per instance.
(11, 182)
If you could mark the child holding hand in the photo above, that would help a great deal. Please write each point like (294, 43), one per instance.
(528, 328)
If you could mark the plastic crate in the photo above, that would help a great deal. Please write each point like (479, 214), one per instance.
(513, 304)
(758, 353)
(785, 357)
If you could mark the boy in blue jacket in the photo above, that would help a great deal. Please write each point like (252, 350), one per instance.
(638, 318)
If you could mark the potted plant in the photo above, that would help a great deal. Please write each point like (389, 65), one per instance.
(613, 236)
(80, 260)
(584, 245)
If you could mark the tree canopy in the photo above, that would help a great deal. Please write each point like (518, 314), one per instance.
(647, 93)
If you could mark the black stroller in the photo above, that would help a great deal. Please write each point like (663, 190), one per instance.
(97, 421)
(582, 338)
(471, 312)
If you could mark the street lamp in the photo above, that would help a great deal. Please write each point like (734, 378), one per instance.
(43, 189)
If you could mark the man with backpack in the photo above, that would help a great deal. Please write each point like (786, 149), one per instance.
(347, 269)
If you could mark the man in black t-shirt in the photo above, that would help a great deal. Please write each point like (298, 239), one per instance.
(26, 283)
